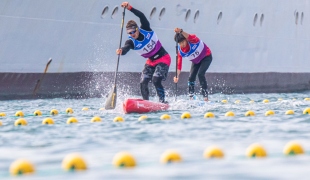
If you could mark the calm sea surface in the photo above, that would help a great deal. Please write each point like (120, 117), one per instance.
(46, 146)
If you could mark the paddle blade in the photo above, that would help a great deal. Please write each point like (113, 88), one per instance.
(111, 100)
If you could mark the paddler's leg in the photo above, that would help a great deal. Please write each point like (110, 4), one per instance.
(204, 65)
(146, 76)
(191, 79)
(160, 74)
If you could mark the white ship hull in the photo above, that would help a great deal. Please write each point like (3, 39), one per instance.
(257, 46)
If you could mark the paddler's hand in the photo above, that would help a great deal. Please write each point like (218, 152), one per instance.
(126, 4)
(175, 79)
(178, 30)
(119, 51)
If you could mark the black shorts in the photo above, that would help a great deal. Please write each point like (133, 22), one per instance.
(160, 70)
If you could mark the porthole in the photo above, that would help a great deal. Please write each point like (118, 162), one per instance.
(196, 16)
(302, 18)
(162, 12)
(262, 19)
(255, 19)
(114, 13)
(219, 17)
(104, 12)
(153, 12)
(188, 13)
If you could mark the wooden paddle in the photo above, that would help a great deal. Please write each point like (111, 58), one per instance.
(111, 100)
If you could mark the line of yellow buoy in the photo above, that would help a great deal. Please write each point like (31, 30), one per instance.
(265, 101)
(70, 110)
(75, 162)
(185, 115)
(53, 112)
(49, 121)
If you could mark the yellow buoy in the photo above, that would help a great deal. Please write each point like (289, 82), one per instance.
(124, 159)
(20, 122)
(37, 113)
(224, 101)
(213, 152)
(2, 114)
(74, 162)
(101, 109)
(141, 118)
(229, 113)
(289, 112)
(186, 115)
(252, 101)
(118, 119)
(21, 167)
(54, 112)
(48, 121)
(237, 102)
(307, 99)
(250, 113)
(165, 117)
(256, 150)
(293, 148)
(0, 123)
(19, 114)
(72, 120)
(209, 115)
(69, 111)
(96, 119)
(269, 113)
(85, 109)
(265, 101)
(170, 156)
(306, 111)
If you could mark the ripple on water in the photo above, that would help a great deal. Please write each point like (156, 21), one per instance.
(47, 145)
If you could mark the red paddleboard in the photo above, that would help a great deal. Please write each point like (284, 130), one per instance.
(143, 106)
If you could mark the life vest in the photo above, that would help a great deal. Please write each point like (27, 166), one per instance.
(149, 46)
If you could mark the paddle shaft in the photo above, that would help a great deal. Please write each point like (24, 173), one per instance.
(111, 100)
(120, 44)
(176, 69)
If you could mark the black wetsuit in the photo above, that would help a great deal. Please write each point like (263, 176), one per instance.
(200, 70)
(157, 73)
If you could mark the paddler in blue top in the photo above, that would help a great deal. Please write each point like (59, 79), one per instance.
(193, 49)
(146, 43)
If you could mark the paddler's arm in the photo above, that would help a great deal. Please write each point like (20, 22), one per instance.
(145, 24)
(192, 38)
(128, 45)
(176, 79)
(179, 30)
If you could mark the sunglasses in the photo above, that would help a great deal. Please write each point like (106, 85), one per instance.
(132, 32)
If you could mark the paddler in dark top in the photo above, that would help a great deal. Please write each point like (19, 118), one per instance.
(146, 43)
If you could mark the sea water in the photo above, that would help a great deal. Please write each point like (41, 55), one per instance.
(46, 145)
